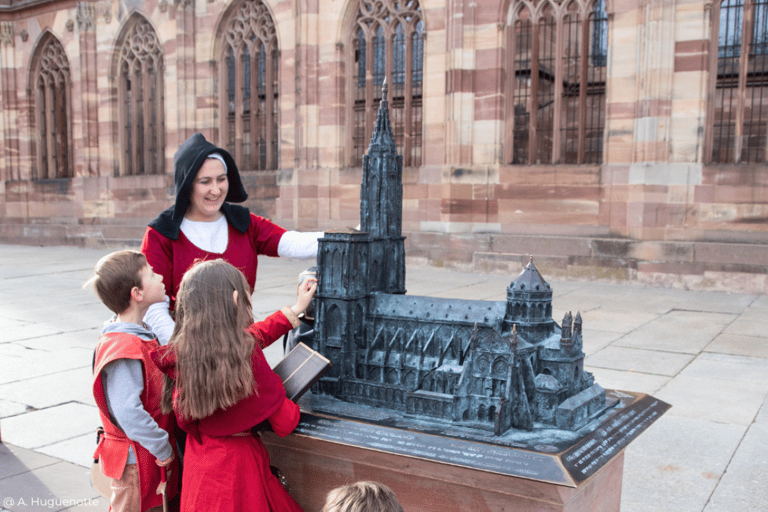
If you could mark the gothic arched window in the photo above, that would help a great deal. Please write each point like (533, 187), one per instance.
(558, 56)
(140, 97)
(249, 77)
(738, 70)
(52, 110)
(388, 42)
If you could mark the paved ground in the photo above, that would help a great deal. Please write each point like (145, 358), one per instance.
(706, 353)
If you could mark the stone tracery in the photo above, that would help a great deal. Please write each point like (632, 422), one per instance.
(250, 103)
(52, 104)
(140, 96)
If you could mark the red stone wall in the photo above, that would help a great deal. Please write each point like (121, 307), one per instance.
(653, 211)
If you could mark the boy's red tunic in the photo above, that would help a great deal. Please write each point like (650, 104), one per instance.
(226, 471)
(113, 447)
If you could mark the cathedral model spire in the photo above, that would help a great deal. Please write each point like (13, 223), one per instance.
(382, 136)
(381, 204)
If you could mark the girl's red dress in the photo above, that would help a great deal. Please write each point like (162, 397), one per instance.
(228, 472)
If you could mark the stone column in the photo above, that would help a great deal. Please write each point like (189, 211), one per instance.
(655, 112)
(9, 91)
(89, 142)
(186, 94)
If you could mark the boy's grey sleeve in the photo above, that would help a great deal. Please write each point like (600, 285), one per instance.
(158, 318)
(123, 384)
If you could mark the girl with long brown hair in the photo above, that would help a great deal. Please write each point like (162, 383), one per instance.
(220, 386)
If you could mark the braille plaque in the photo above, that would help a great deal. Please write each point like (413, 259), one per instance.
(613, 434)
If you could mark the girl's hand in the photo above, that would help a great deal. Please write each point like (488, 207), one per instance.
(305, 293)
(166, 462)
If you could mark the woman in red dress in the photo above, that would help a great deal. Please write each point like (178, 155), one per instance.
(220, 386)
(204, 224)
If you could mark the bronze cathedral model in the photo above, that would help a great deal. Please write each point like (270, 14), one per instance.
(486, 365)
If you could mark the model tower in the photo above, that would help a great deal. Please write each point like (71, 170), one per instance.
(381, 206)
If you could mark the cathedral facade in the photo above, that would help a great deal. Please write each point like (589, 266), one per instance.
(620, 139)
(479, 364)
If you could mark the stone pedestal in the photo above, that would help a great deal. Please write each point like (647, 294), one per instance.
(314, 466)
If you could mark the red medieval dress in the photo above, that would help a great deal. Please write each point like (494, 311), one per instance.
(226, 469)
(113, 446)
(172, 258)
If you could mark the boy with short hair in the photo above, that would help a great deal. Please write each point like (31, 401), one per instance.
(362, 497)
(127, 386)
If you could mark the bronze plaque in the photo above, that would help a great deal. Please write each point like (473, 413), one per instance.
(486, 457)
(613, 434)
(547, 455)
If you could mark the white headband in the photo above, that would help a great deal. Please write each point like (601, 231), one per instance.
(219, 158)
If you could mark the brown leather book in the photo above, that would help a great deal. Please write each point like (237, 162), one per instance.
(300, 369)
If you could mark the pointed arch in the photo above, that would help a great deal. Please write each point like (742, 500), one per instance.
(52, 104)
(248, 77)
(500, 366)
(334, 321)
(557, 57)
(737, 118)
(139, 69)
(387, 41)
(359, 323)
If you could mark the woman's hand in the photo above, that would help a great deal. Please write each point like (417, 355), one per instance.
(305, 293)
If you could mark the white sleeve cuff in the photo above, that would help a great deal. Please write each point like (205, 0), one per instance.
(159, 320)
(300, 246)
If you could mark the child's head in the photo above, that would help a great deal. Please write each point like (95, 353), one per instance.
(213, 349)
(206, 295)
(362, 497)
(123, 275)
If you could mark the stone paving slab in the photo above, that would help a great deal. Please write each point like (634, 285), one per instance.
(37, 483)
(762, 416)
(9, 408)
(614, 320)
(755, 326)
(78, 450)
(631, 298)
(724, 401)
(685, 332)
(730, 367)
(85, 339)
(637, 360)
(715, 302)
(19, 460)
(676, 464)
(744, 486)
(737, 344)
(53, 488)
(594, 341)
(52, 389)
(576, 302)
(39, 363)
(49, 426)
(629, 381)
